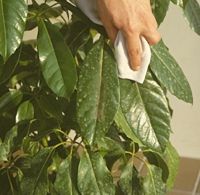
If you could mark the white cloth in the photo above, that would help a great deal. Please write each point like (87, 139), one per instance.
(125, 72)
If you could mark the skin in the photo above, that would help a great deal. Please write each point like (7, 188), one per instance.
(134, 18)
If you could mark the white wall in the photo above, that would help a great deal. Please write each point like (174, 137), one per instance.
(184, 44)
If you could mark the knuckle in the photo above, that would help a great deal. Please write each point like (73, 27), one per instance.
(135, 52)
(155, 38)
(130, 28)
(154, 23)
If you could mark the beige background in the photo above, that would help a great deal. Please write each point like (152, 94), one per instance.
(185, 47)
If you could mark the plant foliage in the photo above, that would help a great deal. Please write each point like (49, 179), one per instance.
(68, 124)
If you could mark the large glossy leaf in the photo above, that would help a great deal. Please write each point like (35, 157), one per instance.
(12, 23)
(153, 184)
(93, 175)
(122, 123)
(145, 109)
(57, 63)
(98, 92)
(192, 13)
(169, 73)
(160, 8)
(35, 180)
(129, 181)
(172, 159)
(10, 100)
(25, 111)
(64, 184)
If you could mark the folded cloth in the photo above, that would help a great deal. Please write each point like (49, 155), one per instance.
(89, 8)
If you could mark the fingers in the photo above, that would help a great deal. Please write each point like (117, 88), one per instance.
(152, 37)
(150, 31)
(104, 15)
(111, 30)
(133, 45)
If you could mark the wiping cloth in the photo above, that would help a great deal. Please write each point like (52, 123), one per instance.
(89, 8)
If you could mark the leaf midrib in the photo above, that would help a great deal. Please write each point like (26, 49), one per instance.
(135, 138)
(146, 113)
(54, 52)
(94, 173)
(40, 172)
(4, 30)
(152, 178)
(100, 88)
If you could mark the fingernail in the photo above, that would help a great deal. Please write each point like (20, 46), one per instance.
(136, 68)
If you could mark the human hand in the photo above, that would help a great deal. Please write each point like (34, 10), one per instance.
(134, 18)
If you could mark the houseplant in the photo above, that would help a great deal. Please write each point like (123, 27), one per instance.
(69, 125)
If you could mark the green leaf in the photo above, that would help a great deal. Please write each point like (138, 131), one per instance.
(43, 11)
(180, 3)
(9, 143)
(3, 151)
(153, 184)
(43, 127)
(14, 137)
(76, 35)
(160, 9)
(4, 181)
(93, 175)
(64, 184)
(10, 100)
(35, 181)
(145, 109)
(19, 77)
(169, 73)
(57, 63)
(48, 11)
(129, 181)
(7, 69)
(121, 122)
(172, 159)
(25, 112)
(159, 161)
(192, 13)
(97, 93)
(12, 24)
(30, 147)
(51, 106)
(9, 138)
(110, 147)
